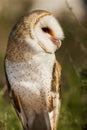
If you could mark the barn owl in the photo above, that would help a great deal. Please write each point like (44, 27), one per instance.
(32, 71)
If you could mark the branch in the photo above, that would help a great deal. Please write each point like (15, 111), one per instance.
(76, 19)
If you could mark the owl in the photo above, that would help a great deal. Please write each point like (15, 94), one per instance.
(32, 71)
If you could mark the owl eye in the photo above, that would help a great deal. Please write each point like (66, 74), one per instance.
(46, 30)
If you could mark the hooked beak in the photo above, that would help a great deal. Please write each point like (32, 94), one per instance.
(56, 41)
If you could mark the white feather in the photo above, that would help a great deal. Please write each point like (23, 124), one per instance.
(44, 38)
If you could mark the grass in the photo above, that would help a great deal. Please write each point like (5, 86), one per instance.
(8, 118)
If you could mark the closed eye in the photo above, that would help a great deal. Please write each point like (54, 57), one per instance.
(47, 30)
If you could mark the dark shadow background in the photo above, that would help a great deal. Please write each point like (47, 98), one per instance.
(72, 56)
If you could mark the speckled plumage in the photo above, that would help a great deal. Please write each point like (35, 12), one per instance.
(32, 72)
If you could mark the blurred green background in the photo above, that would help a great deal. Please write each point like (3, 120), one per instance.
(72, 56)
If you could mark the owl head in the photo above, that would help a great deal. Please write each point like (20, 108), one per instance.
(35, 32)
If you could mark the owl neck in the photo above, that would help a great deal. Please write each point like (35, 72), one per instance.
(17, 53)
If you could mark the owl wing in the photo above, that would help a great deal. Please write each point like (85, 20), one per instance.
(54, 99)
(16, 102)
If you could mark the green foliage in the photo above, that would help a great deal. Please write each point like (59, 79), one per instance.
(74, 104)
(8, 118)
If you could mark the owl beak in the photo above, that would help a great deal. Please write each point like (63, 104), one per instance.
(56, 41)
